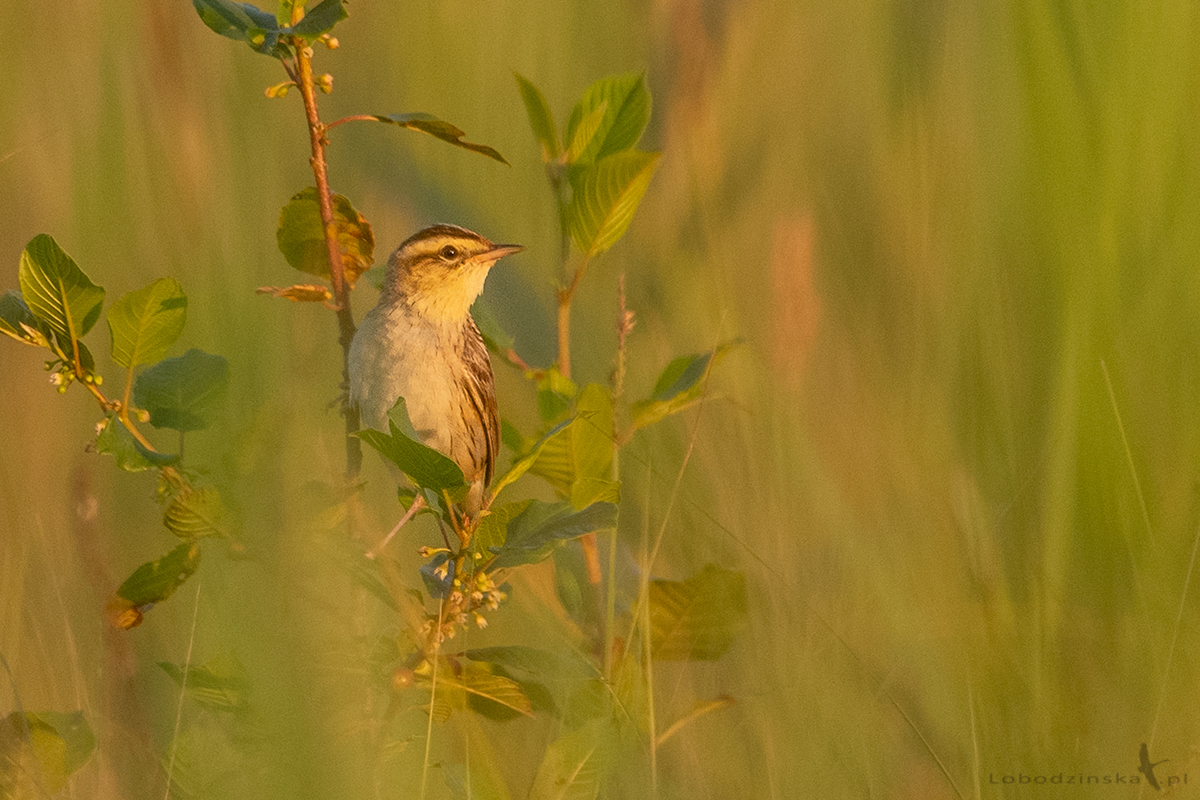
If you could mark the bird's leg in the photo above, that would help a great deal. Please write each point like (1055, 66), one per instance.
(418, 504)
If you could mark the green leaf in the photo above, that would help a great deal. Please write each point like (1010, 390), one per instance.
(477, 680)
(115, 440)
(577, 461)
(697, 619)
(678, 387)
(583, 135)
(586, 491)
(574, 764)
(40, 751)
(243, 22)
(219, 684)
(196, 512)
(17, 321)
(537, 530)
(626, 104)
(555, 392)
(605, 196)
(283, 11)
(425, 466)
(555, 459)
(511, 437)
(152, 583)
(593, 437)
(183, 393)
(301, 236)
(443, 130)
(144, 324)
(541, 121)
(56, 290)
(544, 664)
(521, 465)
(319, 19)
(493, 527)
(86, 360)
(570, 580)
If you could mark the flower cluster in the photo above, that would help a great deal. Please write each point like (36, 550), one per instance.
(467, 599)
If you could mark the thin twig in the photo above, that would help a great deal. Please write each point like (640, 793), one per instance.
(337, 278)
(352, 118)
(417, 504)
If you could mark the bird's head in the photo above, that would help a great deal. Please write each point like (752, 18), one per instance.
(438, 272)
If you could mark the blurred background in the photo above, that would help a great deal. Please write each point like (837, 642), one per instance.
(956, 455)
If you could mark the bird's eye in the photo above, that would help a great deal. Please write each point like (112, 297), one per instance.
(449, 251)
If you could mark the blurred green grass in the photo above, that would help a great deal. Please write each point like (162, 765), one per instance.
(944, 229)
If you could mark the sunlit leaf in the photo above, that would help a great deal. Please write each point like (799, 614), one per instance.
(493, 527)
(196, 512)
(555, 461)
(521, 465)
(301, 236)
(605, 196)
(424, 465)
(533, 533)
(475, 679)
(299, 292)
(183, 393)
(17, 321)
(219, 684)
(319, 19)
(555, 392)
(39, 751)
(585, 491)
(584, 134)
(283, 11)
(152, 583)
(592, 438)
(131, 455)
(541, 121)
(574, 764)
(144, 324)
(626, 104)
(697, 619)
(56, 290)
(443, 130)
(577, 460)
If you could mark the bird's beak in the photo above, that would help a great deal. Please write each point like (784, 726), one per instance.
(499, 251)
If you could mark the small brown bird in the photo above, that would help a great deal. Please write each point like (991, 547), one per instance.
(420, 343)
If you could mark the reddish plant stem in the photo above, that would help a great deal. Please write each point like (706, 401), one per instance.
(337, 278)
(591, 550)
